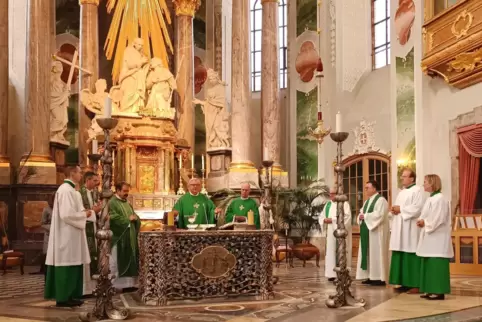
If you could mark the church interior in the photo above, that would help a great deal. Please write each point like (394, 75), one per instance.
(300, 100)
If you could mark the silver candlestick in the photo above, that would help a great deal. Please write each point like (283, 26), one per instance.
(268, 165)
(343, 296)
(104, 308)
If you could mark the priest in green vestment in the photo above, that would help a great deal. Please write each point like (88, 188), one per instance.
(125, 226)
(195, 204)
(67, 250)
(90, 197)
(238, 208)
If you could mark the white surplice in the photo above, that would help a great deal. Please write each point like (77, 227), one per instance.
(330, 249)
(405, 233)
(89, 283)
(67, 240)
(436, 235)
(378, 226)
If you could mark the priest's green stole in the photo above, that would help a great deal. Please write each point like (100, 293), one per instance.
(198, 206)
(365, 233)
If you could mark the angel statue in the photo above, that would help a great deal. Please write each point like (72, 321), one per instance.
(216, 116)
(160, 84)
(94, 102)
(130, 96)
(59, 102)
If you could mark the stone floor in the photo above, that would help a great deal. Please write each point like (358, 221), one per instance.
(299, 297)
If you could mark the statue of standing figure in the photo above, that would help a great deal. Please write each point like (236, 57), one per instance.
(215, 113)
(59, 102)
(132, 78)
(94, 102)
(160, 84)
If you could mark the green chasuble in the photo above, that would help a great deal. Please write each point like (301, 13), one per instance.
(190, 205)
(241, 207)
(89, 229)
(124, 236)
(365, 232)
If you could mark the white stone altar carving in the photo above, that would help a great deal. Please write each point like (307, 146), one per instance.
(217, 118)
(94, 102)
(59, 102)
(160, 85)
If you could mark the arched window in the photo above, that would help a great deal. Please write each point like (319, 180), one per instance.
(256, 20)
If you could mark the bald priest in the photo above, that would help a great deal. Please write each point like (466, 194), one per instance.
(194, 204)
(238, 208)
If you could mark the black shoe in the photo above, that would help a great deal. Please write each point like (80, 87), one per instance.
(425, 296)
(71, 303)
(331, 279)
(401, 289)
(367, 282)
(378, 283)
(435, 297)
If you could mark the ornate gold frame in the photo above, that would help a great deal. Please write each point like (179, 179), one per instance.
(452, 43)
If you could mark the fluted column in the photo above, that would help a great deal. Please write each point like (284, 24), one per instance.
(4, 160)
(89, 60)
(184, 48)
(270, 83)
(41, 168)
(214, 35)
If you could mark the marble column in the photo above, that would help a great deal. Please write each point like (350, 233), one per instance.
(270, 82)
(89, 60)
(4, 160)
(241, 168)
(40, 169)
(214, 35)
(184, 48)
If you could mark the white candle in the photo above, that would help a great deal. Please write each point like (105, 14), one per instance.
(108, 107)
(202, 161)
(192, 161)
(338, 122)
(180, 161)
(265, 153)
(95, 146)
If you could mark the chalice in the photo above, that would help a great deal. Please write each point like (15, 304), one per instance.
(192, 220)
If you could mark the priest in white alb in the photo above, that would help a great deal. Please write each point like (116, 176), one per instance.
(372, 264)
(435, 245)
(405, 264)
(328, 221)
(67, 250)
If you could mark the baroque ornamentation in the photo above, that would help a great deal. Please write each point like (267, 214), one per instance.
(94, 102)
(186, 7)
(332, 9)
(364, 138)
(167, 272)
(462, 24)
(214, 262)
(59, 102)
(465, 61)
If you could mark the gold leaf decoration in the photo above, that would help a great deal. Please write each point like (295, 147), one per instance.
(131, 17)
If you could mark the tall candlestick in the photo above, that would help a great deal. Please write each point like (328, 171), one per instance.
(180, 161)
(202, 161)
(95, 146)
(338, 122)
(108, 107)
(265, 153)
(192, 161)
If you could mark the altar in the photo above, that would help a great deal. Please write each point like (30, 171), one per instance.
(197, 265)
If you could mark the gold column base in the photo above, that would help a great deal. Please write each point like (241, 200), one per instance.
(38, 169)
(5, 170)
(242, 166)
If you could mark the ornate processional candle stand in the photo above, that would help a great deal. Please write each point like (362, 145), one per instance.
(343, 296)
(104, 308)
(267, 164)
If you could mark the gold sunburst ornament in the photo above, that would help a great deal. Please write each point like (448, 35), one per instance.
(146, 19)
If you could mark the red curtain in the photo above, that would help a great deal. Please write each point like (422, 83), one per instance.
(470, 152)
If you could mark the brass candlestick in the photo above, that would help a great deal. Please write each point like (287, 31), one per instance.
(343, 296)
(319, 132)
(203, 182)
(104, 308)
(180, 191)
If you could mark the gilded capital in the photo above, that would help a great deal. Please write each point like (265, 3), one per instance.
(96, 2)
(186, 7)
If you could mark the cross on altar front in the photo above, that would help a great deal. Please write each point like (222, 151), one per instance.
(73, 66)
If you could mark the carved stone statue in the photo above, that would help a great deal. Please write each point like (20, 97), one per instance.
(59, 102)
(94, 102)
(160, 84)
(215, 113)
(132, 80)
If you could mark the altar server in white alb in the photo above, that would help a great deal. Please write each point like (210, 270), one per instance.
(328, 220)
(67, 250)
(405, 264)
(435, 244)
(374, 238)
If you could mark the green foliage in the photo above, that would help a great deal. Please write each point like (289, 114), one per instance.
(306, 16)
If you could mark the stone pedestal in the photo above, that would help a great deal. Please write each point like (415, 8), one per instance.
(57, 153)
(185, 10)
(37, 165)
(4, 161)
(89, 60)
(241, 168)
(218, 163)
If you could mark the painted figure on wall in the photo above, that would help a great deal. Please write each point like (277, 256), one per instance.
(404, 18)
(307, 61)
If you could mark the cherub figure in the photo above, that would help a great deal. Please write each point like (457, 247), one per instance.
(95, 102)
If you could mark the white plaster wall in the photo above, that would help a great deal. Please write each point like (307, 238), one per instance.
(17, 42)
(442, 103)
